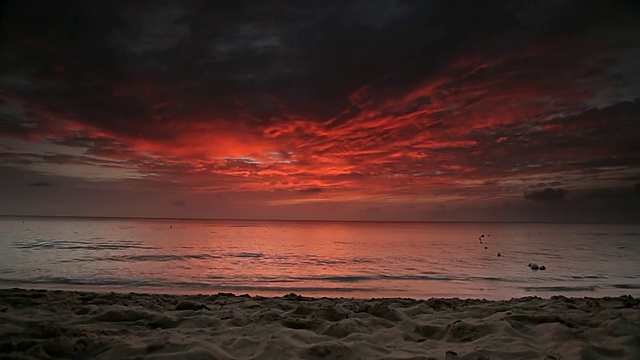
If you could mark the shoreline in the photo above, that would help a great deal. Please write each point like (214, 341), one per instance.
(315, 293)
(588, 291)
(111, 325)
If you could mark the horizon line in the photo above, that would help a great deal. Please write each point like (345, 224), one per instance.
(303, 220)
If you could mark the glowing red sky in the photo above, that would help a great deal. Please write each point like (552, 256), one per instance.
(380, 110)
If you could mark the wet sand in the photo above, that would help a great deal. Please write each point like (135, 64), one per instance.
(84, 325)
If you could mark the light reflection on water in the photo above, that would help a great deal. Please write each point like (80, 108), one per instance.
(351, 259)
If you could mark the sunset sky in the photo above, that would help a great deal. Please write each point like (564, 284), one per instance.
(343, 110)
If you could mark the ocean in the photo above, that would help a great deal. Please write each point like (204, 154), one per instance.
(336, 259)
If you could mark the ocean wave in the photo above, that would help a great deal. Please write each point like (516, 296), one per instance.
(81, 245)
(246, 255)
(626, 286)
(291, 260)
(80, 281)
(335, 261)
(162, 257)
(180, 285)
(345, 278)
(358, 278)
(142, 258)
(560, 288)
(274, 280)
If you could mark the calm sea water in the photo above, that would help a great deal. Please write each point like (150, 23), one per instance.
(339, 259)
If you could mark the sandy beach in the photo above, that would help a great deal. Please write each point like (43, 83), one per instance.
(82, 325)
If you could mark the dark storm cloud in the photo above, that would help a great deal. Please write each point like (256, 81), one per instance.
(40, 184)
(132, 68)
(178, 203)
(313, 190)
(546, 195)
(10, 158)
(594, 139)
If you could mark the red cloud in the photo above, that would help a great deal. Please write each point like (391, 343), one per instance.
(483, 122)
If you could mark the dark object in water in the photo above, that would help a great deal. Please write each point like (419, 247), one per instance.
(533, 266)
(486, 247)
(542, 267)
(499, 254)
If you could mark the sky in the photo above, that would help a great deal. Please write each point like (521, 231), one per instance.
(321, 110)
